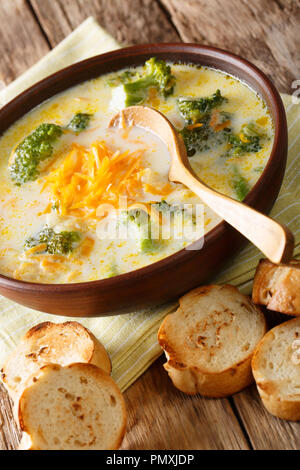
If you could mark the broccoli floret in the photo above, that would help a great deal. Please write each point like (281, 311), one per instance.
(174, 210)
(251, 129)
(200, 139)
(122, 97)
(195, 140)
(240, 184)
(35, 148)
(166, 208)
(133, 89)
(79, 122)
(198, 135)
(195, 110)
(162, 206)
(60, 243)
(122, 77)
(176, 213)
(142, 223)
(158, 74)
(55, 206)
(38, 146)
(238, 147)
(113, 270)
(248, 140)
(148, 245)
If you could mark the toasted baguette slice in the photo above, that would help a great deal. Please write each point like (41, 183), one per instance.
(276, 369)
(278, 286)
(210, 339)
(77, 407)
(58, 343)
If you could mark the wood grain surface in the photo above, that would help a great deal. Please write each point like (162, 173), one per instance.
(130, 22)
(21, 41)
(267, 33)
(173, 420)
(9, 432)
(264, 430)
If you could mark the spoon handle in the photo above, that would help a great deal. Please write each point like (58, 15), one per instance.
(273, 239)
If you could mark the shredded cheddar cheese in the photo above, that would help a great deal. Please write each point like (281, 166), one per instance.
(91, 177)
(36, 249)
(220, 127)
(214, 118)
(263, 121)
(243, 138)
(86, 246)
(73, 275)
(161, 191)
(51, 266)
(194, 126)
(217, 127)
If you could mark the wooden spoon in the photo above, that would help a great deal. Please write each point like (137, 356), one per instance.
(274, 240)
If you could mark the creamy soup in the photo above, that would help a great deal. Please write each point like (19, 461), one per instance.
(80, 202)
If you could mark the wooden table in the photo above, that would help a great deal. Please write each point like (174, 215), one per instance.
(267, 33)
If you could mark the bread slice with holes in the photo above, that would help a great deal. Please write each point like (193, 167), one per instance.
(210, 339)
(77, 407)
(58, 343)
(278, 286)
(276, 369)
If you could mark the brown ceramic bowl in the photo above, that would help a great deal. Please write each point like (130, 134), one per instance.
(186, 269)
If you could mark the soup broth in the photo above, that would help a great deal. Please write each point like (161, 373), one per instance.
(89, 209)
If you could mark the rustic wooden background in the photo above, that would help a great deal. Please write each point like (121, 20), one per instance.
(265, 32)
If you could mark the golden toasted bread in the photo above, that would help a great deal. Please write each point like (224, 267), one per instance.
(278, 286)
(58, 343)
(77, 407)
(276, 369)
(210, 339)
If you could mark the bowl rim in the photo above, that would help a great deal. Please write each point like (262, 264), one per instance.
(280, 128)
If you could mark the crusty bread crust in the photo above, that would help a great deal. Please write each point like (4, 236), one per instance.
(97, 377)
(100, 357)
(288, 410)
(276, 401)
(278, 286)
(61, 343)
(192, 379)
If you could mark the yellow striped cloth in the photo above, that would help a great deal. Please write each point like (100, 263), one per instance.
(131, 339)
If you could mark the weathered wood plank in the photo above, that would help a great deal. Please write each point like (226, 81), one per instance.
(264, 430)
(161, 417)
(265, 32)
(21, 41)
(130, 21)
(9, 433)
